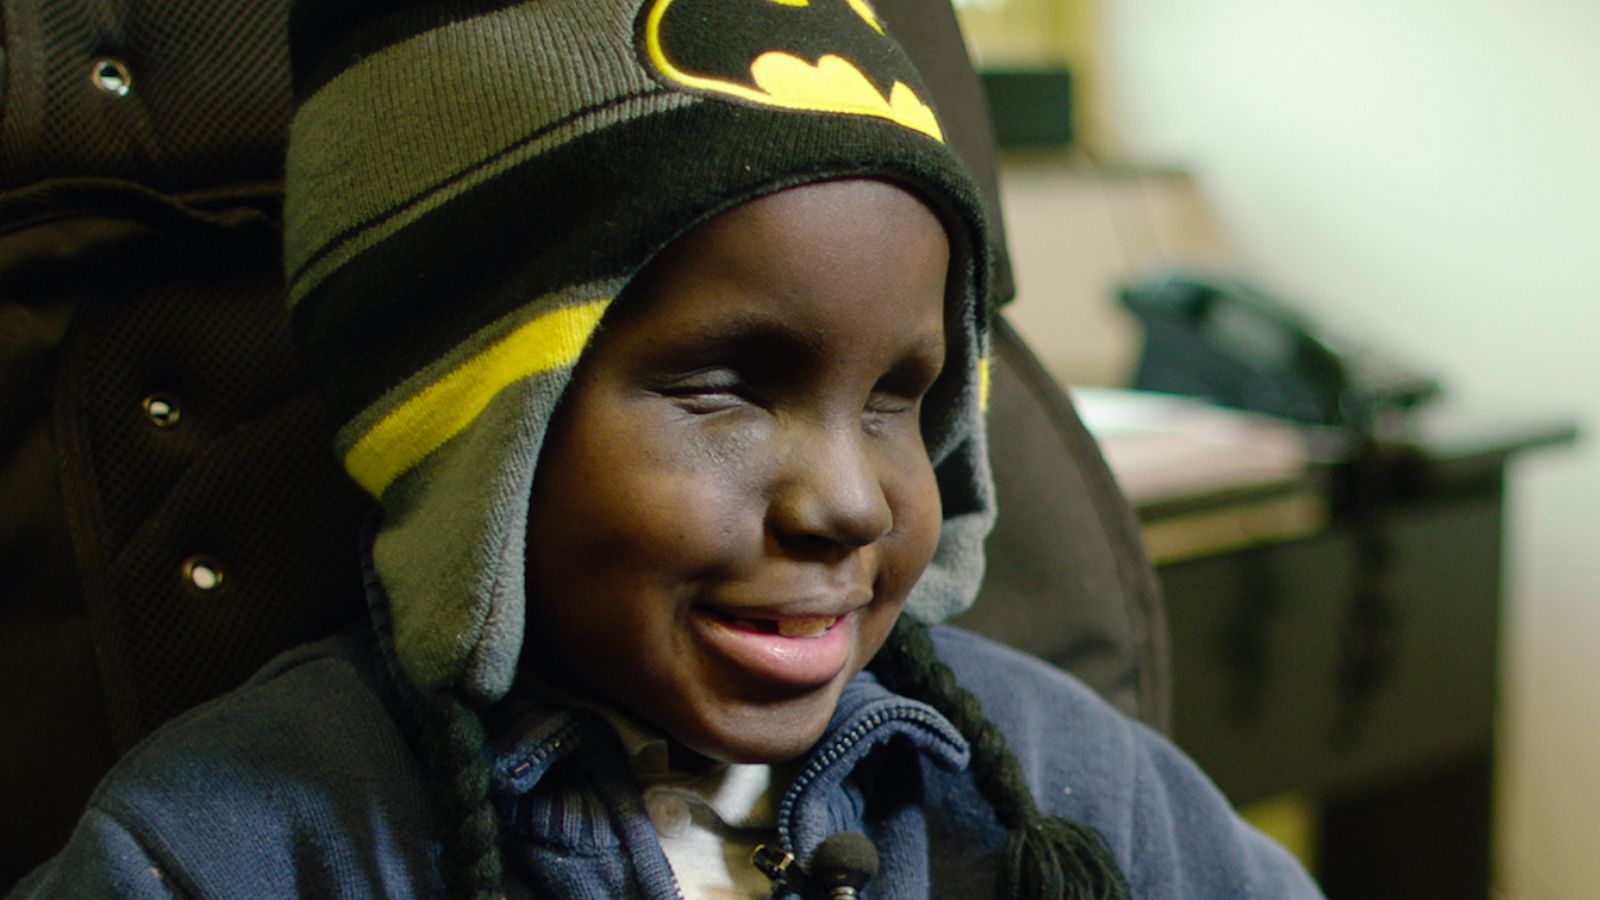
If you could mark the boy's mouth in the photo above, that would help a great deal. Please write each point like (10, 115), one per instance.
(796, 651)
(789, 626)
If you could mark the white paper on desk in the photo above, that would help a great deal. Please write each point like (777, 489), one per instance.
(1166, 447)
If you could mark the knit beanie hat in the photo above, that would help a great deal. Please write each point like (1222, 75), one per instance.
(470, 183)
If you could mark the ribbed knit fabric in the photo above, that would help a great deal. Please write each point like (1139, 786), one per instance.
(470, 184)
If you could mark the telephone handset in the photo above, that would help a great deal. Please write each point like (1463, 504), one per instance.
(1225, 339)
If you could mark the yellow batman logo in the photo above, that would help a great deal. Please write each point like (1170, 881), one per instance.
(818, 55)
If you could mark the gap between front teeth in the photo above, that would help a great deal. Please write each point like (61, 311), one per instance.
(806, 628)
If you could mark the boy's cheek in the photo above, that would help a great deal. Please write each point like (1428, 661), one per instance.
(918, 520)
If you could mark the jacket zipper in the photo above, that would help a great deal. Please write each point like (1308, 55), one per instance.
(549, 747)
(778, 863)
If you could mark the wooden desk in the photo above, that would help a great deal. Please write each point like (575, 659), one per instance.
(1356, 666)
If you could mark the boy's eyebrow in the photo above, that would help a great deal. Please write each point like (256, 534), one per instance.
(778, 344)
(744, 331)
(755, 324)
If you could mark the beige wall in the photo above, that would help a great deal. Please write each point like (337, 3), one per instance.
(1425, 174)
(1076, 232)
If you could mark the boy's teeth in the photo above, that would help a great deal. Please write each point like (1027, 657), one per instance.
(813, 627)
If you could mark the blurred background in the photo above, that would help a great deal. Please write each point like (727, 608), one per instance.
(1420, 178)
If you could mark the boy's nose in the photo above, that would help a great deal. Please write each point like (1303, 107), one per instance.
(828, 491)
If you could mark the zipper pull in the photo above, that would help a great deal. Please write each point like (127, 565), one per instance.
(773, 862)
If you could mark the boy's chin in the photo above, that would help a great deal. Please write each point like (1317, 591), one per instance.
(758, 736)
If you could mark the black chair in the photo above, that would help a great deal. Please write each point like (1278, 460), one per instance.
(171, 515)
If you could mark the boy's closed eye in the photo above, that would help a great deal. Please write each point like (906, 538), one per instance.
(902, 388)
(725, 389)
(710, 390)
(752, 368)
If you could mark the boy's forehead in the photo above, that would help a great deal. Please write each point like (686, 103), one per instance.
(796, 269)
(868, 222)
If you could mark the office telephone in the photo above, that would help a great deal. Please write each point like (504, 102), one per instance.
(1225, 339)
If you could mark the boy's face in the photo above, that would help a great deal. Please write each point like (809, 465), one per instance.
(734, 499)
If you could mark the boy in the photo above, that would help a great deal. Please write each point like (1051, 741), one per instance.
(655, 329)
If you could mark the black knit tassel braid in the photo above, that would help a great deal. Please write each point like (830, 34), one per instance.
(453, 737)
(1044, 858)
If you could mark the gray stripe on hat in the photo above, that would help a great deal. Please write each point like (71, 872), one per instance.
(426, 119)
(450, 550)
(409, 211)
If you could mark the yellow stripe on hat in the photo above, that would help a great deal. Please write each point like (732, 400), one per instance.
(447, 406)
